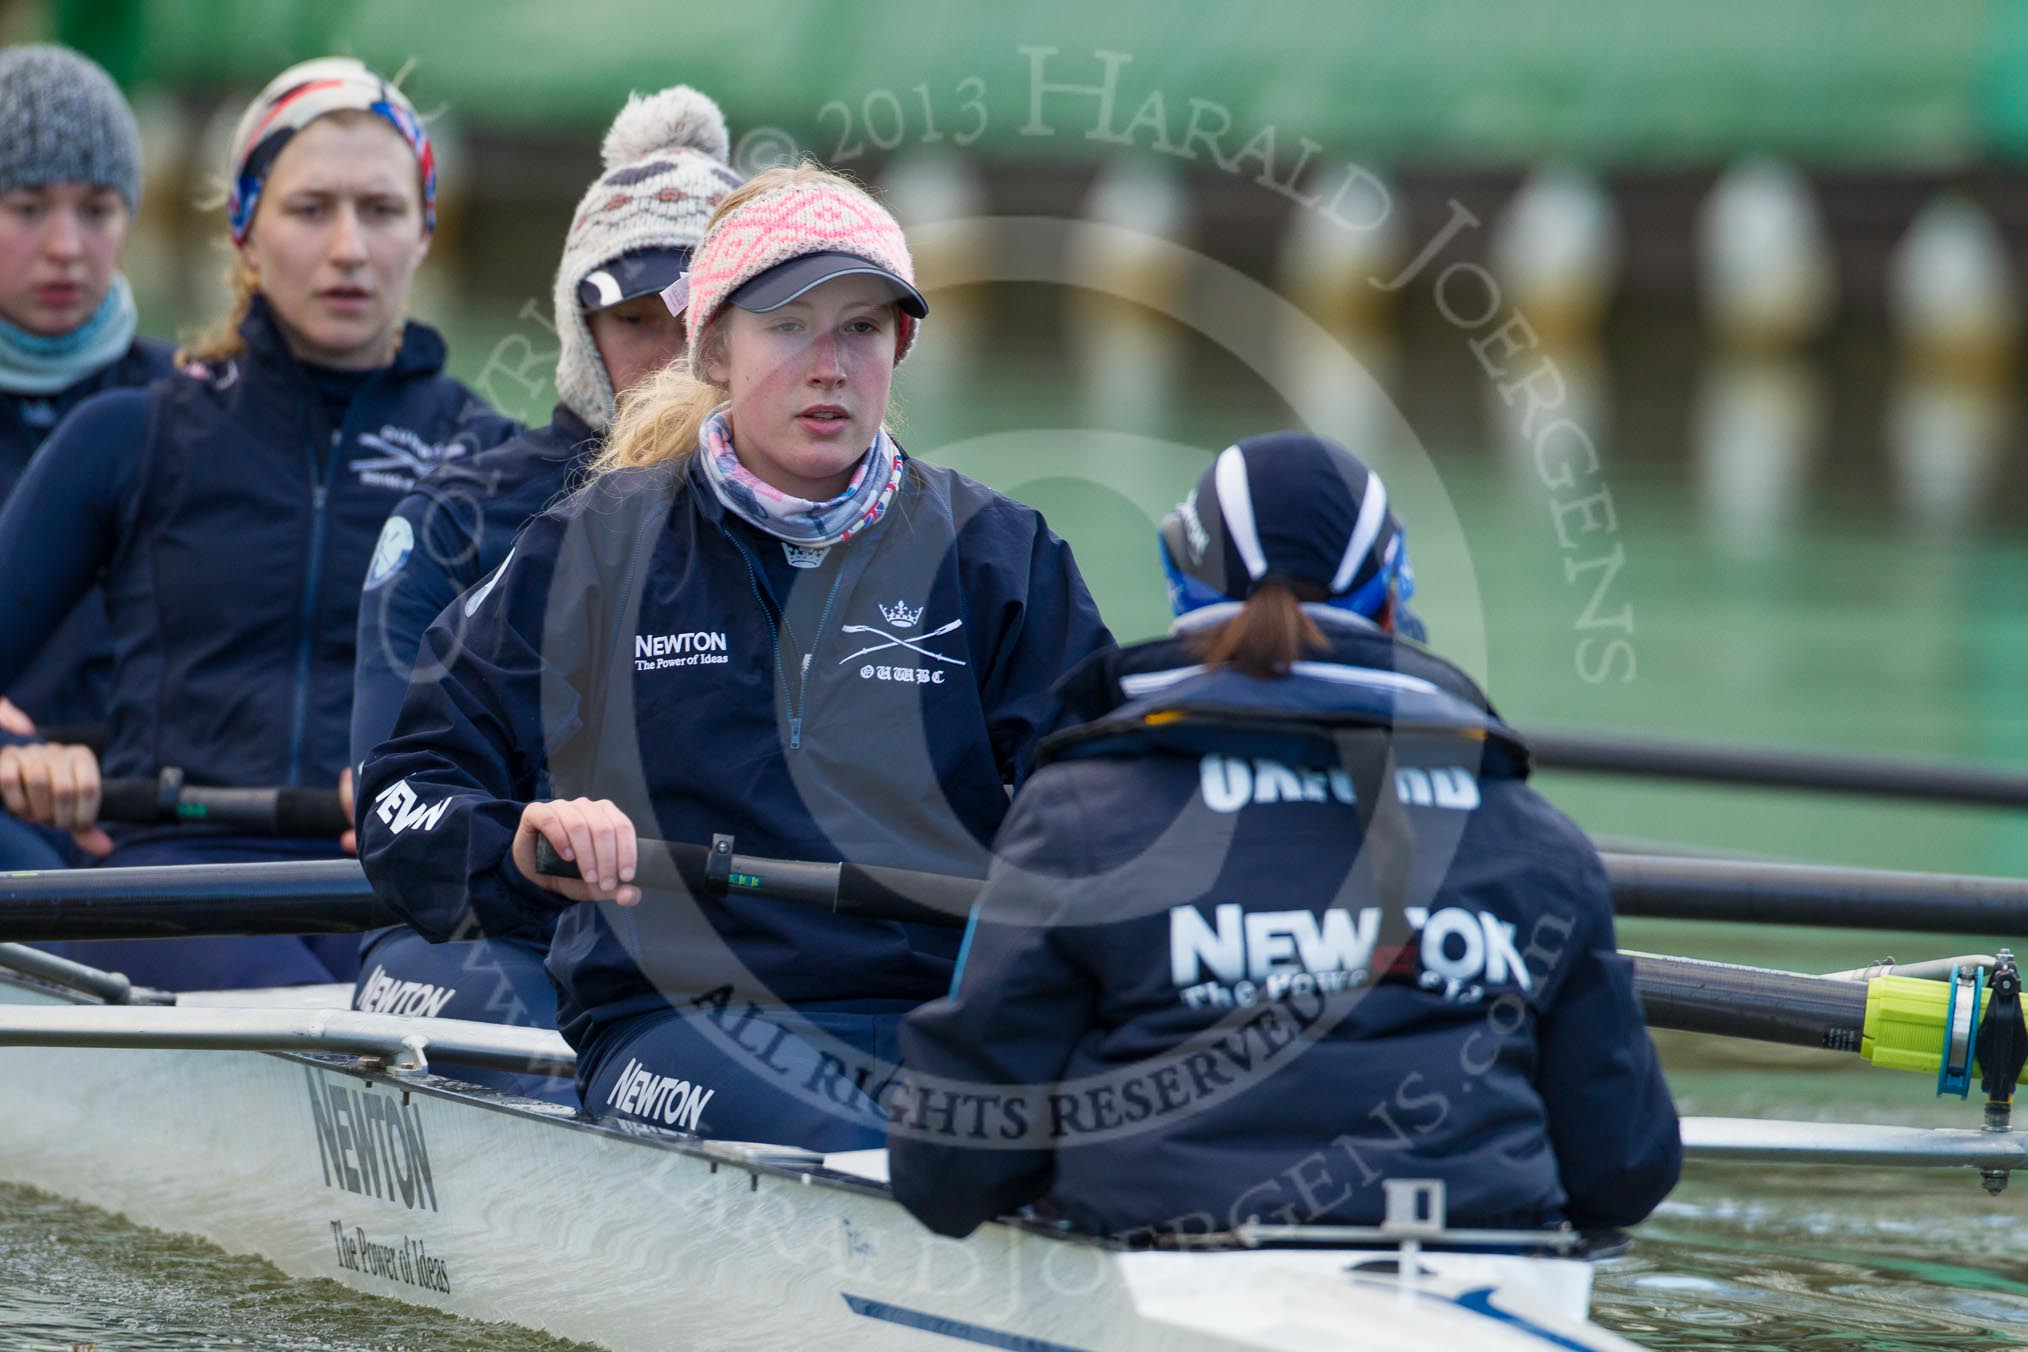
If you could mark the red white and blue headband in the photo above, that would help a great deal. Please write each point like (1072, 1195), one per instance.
(296, 98)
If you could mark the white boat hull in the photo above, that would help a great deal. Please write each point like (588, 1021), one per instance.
(498, 1209)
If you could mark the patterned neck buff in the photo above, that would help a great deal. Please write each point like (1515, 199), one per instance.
(785, 516)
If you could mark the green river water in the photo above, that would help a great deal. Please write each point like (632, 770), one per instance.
(1796, 564)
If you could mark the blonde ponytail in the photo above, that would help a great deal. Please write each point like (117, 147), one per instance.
(220, 341)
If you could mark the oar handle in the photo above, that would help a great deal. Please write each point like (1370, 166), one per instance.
(93, 735)
(277, 811)
(868, 891)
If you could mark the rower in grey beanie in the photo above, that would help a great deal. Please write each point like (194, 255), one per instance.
(665, 171)
(63, 120)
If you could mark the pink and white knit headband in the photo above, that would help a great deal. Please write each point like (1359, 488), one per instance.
(784, 223)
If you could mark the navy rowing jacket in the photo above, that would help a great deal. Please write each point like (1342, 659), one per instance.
(69, 680)
(870, 703)
(1194, 994)
(229, 526)
(452, 531)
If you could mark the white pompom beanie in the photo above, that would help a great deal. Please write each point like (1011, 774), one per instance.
(665, 171)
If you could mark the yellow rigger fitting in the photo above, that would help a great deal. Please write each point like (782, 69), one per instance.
(1904, 1027)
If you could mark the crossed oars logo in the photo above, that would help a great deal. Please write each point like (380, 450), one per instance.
(895, 640)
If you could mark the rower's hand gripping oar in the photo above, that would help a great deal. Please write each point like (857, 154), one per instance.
(867, 891)
(873, 892)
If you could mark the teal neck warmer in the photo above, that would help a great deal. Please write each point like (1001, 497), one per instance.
(33, 364)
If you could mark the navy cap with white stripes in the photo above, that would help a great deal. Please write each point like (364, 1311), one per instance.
(1287, 508)
(636, 273)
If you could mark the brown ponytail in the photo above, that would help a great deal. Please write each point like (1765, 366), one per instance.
(1269, 634)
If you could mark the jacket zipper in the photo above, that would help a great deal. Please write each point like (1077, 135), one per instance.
(803, 688)
(320, 498)
(799, 703)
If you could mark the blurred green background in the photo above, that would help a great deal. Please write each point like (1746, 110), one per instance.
(1857, 81)
(1767, 256)
(1701, 402)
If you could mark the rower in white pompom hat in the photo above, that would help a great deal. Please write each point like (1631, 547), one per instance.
(632, 234)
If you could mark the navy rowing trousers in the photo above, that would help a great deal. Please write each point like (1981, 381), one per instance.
(808, 1077)
(485, 980)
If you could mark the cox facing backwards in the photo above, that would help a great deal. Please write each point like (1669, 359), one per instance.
(760, 617)
(1283, 919)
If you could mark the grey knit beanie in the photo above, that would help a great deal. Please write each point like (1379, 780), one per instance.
(63, 120)
(665, 170)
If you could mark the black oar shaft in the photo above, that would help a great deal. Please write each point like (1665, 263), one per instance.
(1803, 894)
(1751, 1002)
(1667, 887)
(177, 900)
(1879, 776)
(333, 897)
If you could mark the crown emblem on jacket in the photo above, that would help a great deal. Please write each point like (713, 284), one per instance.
(899, 615)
